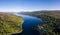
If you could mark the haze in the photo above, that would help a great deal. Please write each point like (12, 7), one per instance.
(28, 5)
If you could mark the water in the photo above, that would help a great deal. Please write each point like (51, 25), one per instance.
(29, 23)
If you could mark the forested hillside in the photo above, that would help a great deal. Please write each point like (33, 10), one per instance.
(51, 24)
(10, 24)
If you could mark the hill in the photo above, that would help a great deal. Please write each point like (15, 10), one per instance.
(40, 12)
(10, 24)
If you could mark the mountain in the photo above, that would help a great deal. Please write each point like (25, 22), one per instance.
(40, 12)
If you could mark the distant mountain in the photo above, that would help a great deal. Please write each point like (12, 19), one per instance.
(40, 12)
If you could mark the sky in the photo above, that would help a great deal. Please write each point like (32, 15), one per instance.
(28, 5)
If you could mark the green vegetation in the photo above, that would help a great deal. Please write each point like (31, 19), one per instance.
(10, 24)
(51, 24)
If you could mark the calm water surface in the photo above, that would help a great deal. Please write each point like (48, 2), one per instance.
(29, 23)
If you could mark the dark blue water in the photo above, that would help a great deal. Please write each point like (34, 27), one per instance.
(29, 24)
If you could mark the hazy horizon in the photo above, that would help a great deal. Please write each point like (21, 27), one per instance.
(28, 5)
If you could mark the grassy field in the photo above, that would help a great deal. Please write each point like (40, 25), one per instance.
(10, 24)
